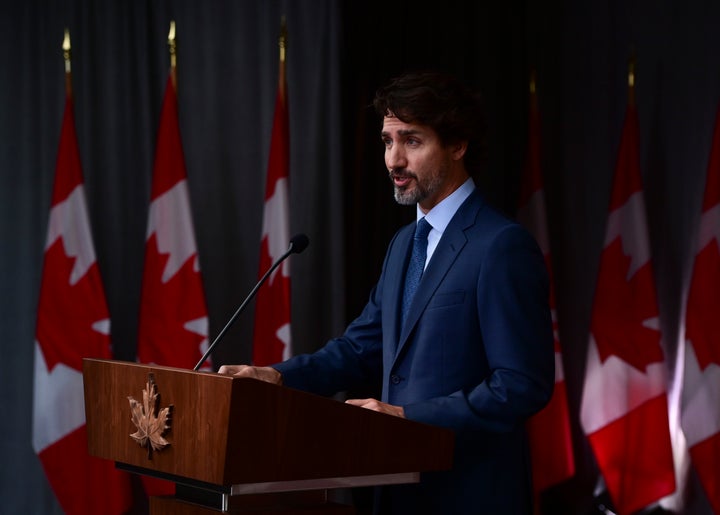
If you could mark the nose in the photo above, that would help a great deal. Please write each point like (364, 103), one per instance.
(395, 157)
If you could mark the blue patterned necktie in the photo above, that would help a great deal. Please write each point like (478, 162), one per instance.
(416, 264)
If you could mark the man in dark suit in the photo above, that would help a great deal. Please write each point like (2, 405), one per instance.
(472, 348)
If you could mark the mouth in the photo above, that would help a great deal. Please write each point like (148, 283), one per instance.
(400, 180)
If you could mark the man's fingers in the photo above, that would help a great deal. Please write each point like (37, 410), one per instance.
(234, 370)
(363, 403)
(376, 405)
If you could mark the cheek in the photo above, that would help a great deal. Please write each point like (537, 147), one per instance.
(417, 162)
(425, 165)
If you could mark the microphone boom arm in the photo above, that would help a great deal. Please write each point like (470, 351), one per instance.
(297, 245)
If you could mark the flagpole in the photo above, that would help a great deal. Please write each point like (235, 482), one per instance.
(66, 57)
(172, 46)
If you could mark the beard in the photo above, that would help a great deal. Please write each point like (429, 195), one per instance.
(417, 189)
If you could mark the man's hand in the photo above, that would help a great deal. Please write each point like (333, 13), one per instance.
(267, 374)
(376, 405)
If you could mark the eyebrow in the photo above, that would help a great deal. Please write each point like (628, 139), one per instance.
(402, 132)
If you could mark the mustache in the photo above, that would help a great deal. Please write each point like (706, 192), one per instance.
(401, 173)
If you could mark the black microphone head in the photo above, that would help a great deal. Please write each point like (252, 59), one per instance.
(298, 243)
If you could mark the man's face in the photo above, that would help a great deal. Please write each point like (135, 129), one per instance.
(418, 163)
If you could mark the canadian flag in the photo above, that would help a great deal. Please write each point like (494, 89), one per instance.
(549, 431)
(73, 323)
(700, 418)
(173, 311)
(271, 340)
(173, 328)
(624, 405)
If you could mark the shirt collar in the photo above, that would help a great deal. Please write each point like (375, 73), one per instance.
(439, 216)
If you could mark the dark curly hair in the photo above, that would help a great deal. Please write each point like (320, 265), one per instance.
(441, 102)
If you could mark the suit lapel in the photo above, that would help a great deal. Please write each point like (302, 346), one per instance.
(396, 267)
(449, 247)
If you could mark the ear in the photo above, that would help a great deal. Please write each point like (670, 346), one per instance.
(458, 149)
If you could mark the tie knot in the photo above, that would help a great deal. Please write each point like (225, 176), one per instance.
(422, 229)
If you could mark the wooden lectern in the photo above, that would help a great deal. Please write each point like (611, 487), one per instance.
(241, 445)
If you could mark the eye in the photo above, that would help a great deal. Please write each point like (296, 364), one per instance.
(387, 142)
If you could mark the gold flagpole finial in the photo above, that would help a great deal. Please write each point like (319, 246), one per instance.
(282, 45)
(66, 50)
(172, 45)
(282, 40)
(631, 80)
(66, 57)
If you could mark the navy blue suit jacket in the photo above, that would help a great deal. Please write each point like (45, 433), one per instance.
(475, 355)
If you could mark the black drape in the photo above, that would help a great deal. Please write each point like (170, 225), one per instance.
(227, 80)
(339, 53)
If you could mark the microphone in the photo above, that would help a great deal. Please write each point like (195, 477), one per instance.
(298, 243)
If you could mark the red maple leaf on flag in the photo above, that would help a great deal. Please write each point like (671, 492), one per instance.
(175, 344)
(64, 332)
(624, 310)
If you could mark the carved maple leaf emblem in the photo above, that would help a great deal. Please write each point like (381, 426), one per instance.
(151, 422)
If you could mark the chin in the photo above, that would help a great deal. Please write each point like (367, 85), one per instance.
(404, 198)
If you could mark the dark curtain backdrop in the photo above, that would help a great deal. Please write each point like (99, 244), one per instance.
(339, 53)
